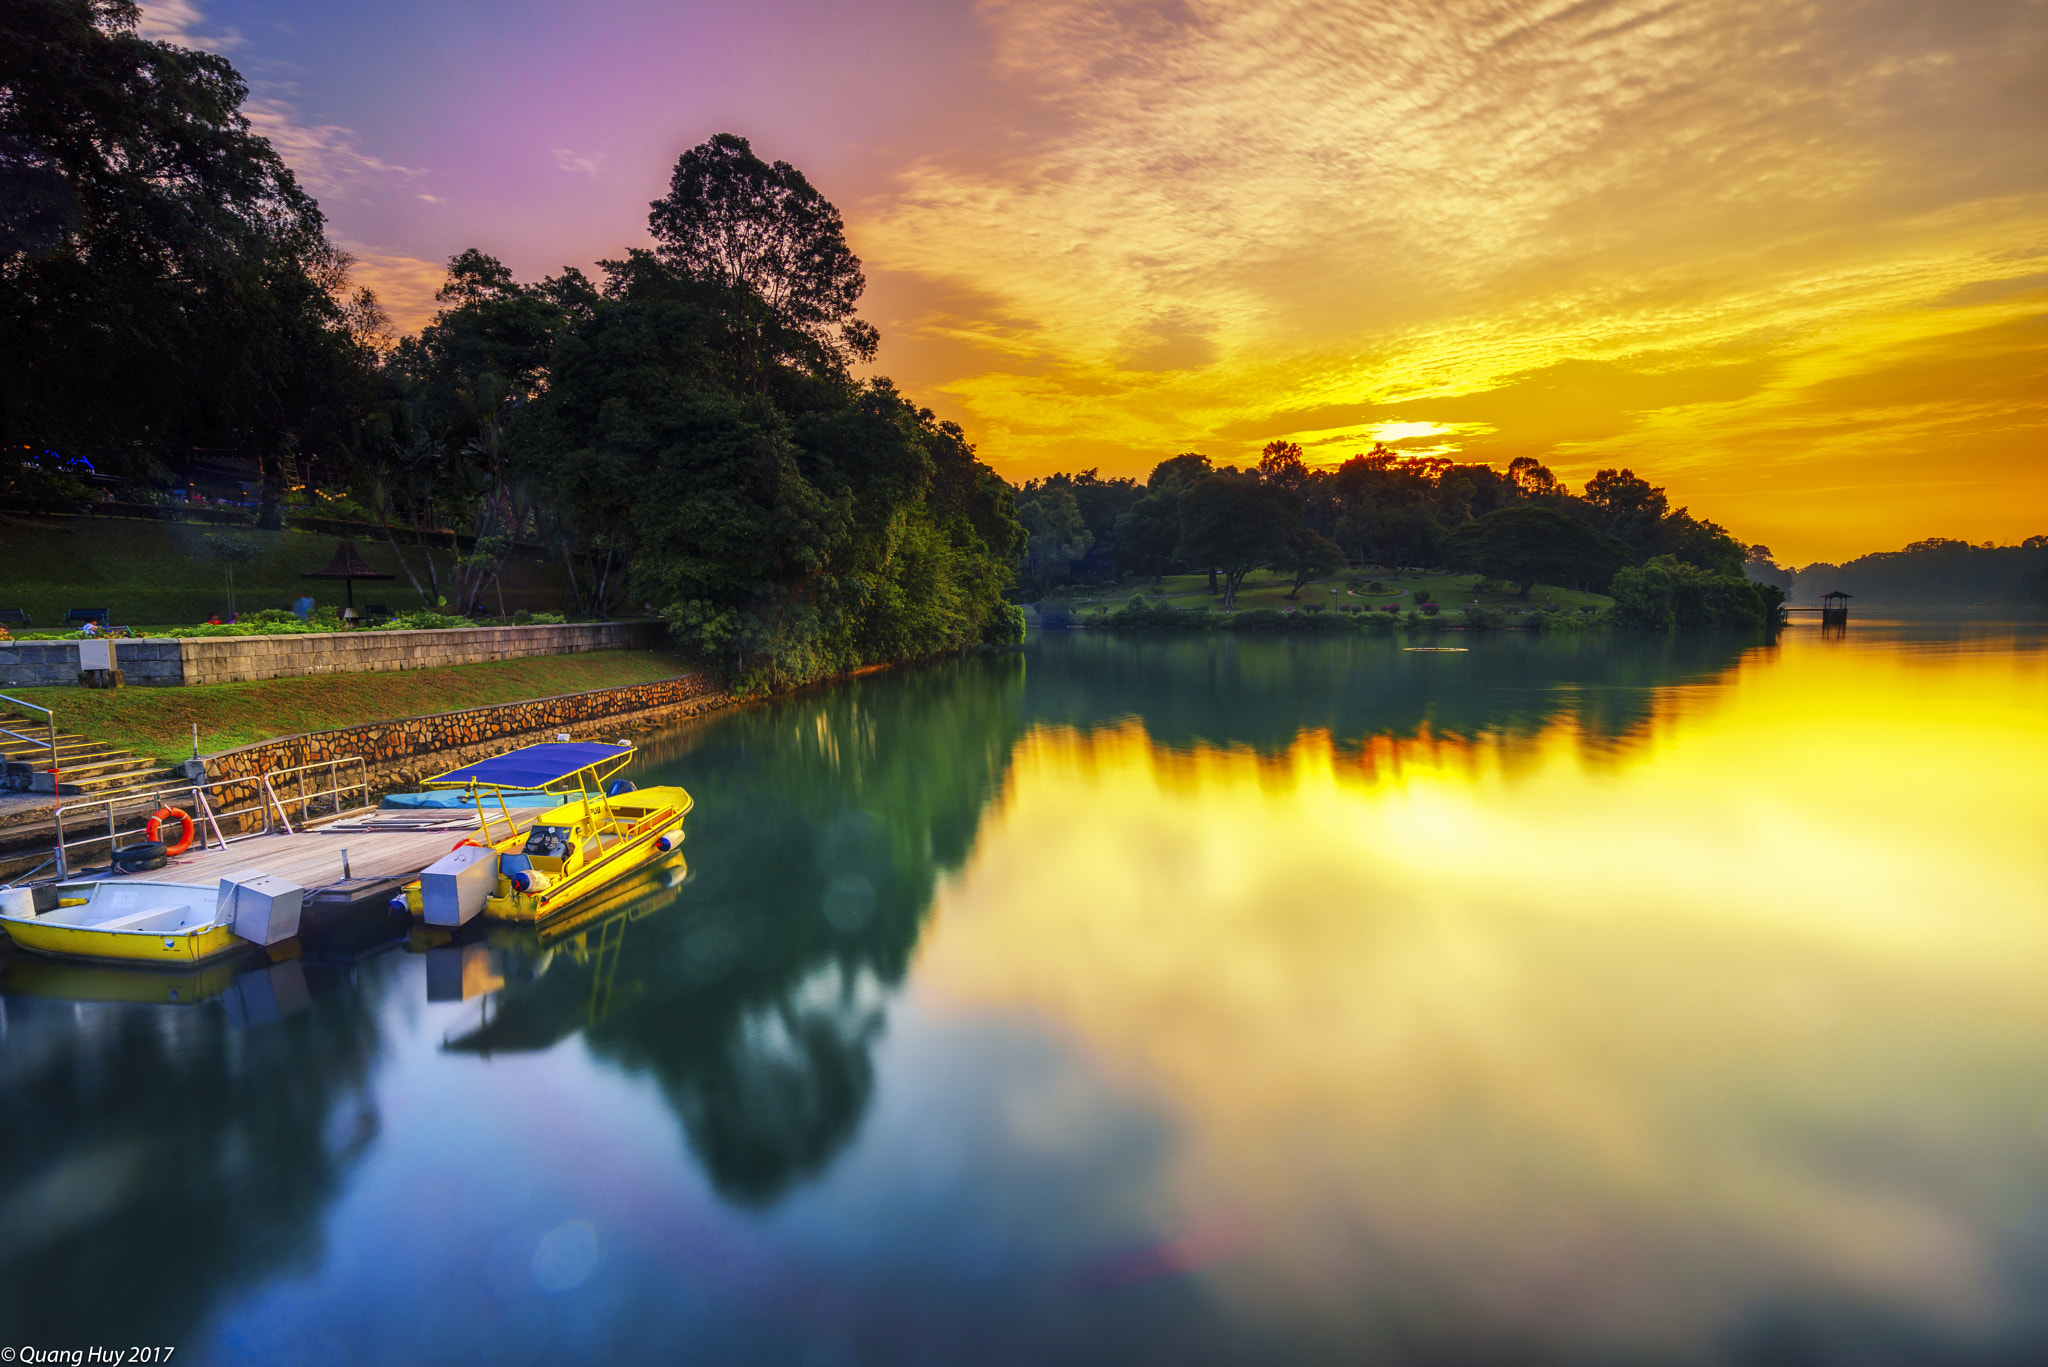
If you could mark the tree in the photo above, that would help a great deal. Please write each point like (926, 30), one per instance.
(1532, 476)
(1280, 463)
(761, 230)
(1760, 565)
(1530, 543)
(1178, 472)
(1309, 554)
(1237, 524)
(1148, 535)
(229, 549)
(788, 522)
(146, 233)
(1668, 592)
(1058, 534)
(1403, 534)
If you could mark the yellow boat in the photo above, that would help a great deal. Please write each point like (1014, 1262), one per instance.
(122, 920)
(597, 837)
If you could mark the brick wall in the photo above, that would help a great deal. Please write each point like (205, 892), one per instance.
(408, 750)
(232, 659)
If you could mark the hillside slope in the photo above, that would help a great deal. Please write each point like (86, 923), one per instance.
(158, 573)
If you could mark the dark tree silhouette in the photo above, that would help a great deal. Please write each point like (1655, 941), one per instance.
(746, 225)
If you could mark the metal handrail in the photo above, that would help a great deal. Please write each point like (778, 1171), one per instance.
(56, 777)
(204, 813)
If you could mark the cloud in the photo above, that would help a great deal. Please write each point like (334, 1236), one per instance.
(323, 156)
(1376, 204)
(586, 163)
(179, 21)
(404, 285)
(327, 162)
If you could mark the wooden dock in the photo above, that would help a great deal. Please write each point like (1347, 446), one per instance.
(312, 858)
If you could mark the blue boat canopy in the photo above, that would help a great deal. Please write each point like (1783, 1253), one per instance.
(534, 766)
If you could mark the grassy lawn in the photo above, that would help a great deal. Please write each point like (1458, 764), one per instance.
(1266, 590)
(156, 573)
(158, 721)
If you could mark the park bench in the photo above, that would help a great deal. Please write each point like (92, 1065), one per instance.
(79, 616)
(376, 612)
(16, 617)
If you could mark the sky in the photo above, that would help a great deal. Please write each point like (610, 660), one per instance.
(1789, 260)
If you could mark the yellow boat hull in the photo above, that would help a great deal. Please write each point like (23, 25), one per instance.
(633, 857)
(123, 946)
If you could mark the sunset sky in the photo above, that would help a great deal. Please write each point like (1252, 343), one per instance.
(1789, 260)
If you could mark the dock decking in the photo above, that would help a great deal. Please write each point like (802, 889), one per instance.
(312, 859)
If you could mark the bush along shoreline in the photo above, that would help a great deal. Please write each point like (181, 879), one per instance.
(1664, 594)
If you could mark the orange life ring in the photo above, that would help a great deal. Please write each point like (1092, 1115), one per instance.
(153, 829)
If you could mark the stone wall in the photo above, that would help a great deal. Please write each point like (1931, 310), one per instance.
(402, 752)
(159, 662)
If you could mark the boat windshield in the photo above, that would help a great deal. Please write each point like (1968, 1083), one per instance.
(548, 842)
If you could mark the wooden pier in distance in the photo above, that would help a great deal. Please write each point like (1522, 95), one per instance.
(1833, 609)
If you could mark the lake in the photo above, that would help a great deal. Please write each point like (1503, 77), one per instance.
(1218, 999)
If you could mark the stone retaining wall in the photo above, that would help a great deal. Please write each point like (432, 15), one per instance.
(158, 662)
(402, 752)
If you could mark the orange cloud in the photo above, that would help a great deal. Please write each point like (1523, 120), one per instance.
(1610, 232)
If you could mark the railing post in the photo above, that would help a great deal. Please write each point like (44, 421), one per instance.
(281, 816)
(57, 798)
(207, 807)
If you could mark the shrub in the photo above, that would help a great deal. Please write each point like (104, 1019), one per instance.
(1376, 587)
(421, 621)
(1566, 623)
(1430, 609)
(1259, 619)
(1389, 608)
(1667, 592)
(1482, 618)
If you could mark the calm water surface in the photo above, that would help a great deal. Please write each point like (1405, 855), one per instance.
(1189, 1001)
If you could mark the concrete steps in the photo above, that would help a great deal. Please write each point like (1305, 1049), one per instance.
(90, 767)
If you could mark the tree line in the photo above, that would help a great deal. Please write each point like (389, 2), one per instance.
(1523, 526)
(1937, 571)
(683, 431)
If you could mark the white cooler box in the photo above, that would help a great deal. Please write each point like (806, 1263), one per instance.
(454, 887)
(262, 909)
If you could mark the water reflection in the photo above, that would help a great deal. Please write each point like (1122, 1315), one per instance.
(161, 1155)
(1263, 692)
(820, 829)
(824, 822)
(1733, 1050)
(1198, 1000)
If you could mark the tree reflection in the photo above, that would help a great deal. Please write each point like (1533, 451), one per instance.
(1264, 691)
(161, 1155)
(755, 992)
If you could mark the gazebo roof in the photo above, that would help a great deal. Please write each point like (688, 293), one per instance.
(347, 565)
(1836, 594)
